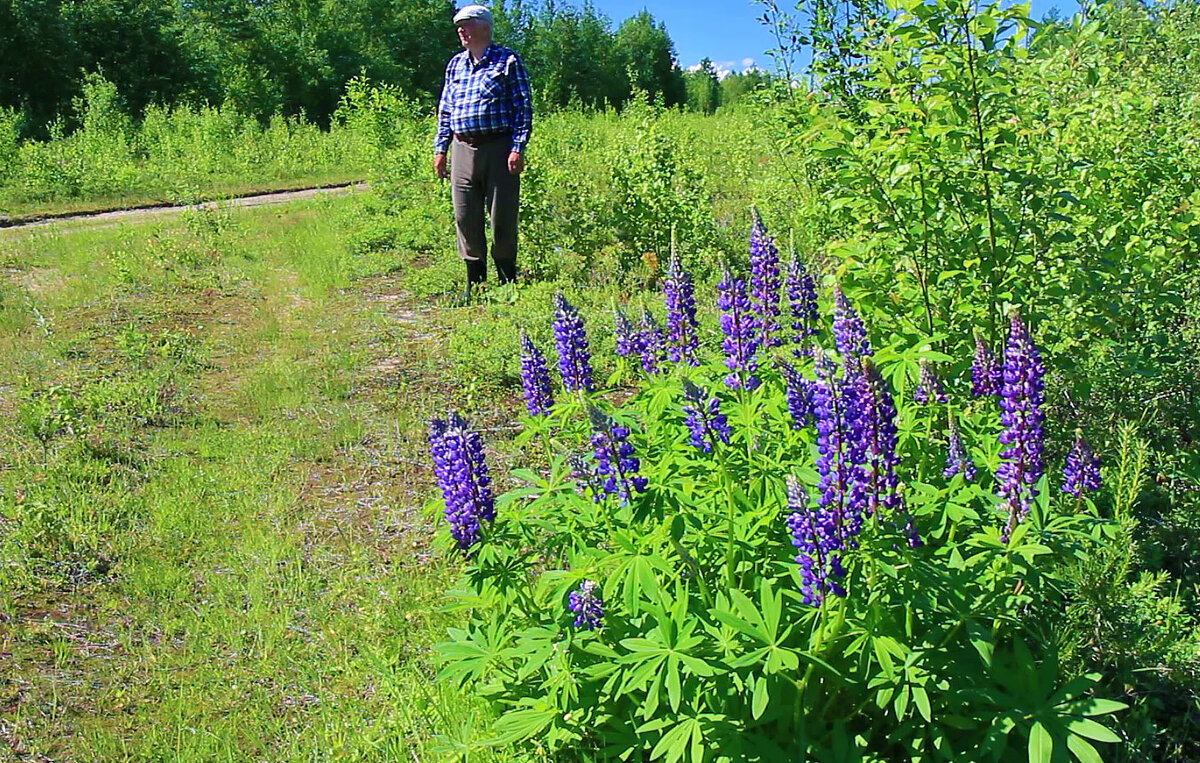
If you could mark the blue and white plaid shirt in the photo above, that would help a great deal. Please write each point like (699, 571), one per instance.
(490, 96)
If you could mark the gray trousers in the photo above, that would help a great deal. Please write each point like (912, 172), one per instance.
(479, 181)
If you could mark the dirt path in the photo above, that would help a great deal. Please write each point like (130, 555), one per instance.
(116, 216)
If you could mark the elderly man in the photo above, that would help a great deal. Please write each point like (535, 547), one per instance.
(485, 116)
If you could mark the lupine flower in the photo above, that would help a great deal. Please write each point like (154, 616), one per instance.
(741, 342)
(616, 465)
(764, 284)
(574, 358)
(707, 424)
(986, 376)
(839, 425)
(587, 605)
(462, 475)
(650, 343)
(815, 535)
(535, 379)
(1021, 398)
(802, 297)
(1082, 473)
(682, 329)
(929, 386)
(585, 478)
(799, 396)
(957, 460)
(849, 333)
(626, 334)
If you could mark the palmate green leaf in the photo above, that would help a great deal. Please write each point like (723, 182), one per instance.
(921, 700)
(1083, 750)
(760, 698)
(1073, 688)
(521, 724)
(684, 739)
(1041, 744)
(1085, 727)
(1093, 707)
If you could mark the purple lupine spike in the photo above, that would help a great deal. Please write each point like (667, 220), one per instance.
(764, 285)
(462, 474)
(616, 465)
(626, 334)
(1082, 472)
(802, 297)
(704, 419)
(986, 375)
(585, 478)
(929, 386)
(535, 378)
(650, 343)
(849, 333)
(574, 357)
(815, 536)
(838, 416)
(882, 440)
(1021, 397)
(682, 329)
(741, 342)
(957, 460)
(799, 396)
(586, 605)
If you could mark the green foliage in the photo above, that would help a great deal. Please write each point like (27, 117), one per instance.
(707, 651)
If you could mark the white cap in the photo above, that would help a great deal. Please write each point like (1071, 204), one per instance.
(474, 12)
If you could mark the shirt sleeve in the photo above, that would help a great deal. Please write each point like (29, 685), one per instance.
(441, 143)
(521, 98)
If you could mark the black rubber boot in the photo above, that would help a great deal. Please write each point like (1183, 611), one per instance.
(476, 273)
(506, 272)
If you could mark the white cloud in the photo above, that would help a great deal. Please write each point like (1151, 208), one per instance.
(748, 63)
(723, 68)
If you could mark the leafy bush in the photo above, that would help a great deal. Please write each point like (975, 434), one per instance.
(643, 600)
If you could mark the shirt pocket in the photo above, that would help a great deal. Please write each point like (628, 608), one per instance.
(492, 84)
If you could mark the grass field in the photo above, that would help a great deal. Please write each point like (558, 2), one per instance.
(216, 550)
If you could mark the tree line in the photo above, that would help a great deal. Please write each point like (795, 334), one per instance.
(293, 57)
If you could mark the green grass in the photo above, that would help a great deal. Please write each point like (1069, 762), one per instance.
(223, 551)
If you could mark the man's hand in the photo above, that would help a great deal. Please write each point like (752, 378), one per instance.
(516, 162)
(439, 166)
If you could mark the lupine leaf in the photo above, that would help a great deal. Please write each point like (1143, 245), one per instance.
(1041, 744)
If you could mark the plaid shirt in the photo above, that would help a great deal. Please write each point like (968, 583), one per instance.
(490, 96)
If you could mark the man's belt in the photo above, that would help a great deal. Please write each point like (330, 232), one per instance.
(474, 141)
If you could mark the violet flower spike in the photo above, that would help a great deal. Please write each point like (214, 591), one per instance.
(741, 343)
(986, 376)
(929, 386)
(802, 298)
(764, 285)
(626, 334)
(616, 465)
(535, 378)
(705, 422)
(574, 357)
(799, 396)
(586, 605)
(849, 332)
(650, 343)
(462, 474)
(815, 535)
(682, 329)
(1082, 472)
(840, 447)
(957, 460)
(1021, 398)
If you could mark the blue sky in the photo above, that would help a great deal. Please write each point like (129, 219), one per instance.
(726, 30)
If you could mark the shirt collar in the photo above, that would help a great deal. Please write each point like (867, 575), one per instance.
(486, 58)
